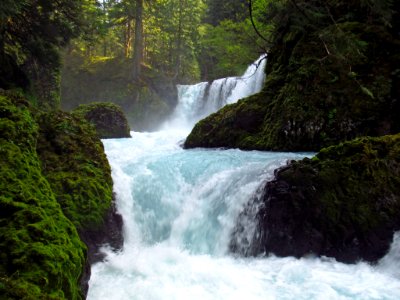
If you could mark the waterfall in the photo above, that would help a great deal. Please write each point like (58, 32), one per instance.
(181, 208)
(197, 101)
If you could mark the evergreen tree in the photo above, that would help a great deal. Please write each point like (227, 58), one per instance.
(234, 10)
(31, 35)
(138, 44)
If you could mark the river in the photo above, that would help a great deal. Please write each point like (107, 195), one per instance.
(180, 207)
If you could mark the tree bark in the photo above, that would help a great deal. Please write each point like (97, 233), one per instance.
(179, 40)
(128, 37)
(138, 45)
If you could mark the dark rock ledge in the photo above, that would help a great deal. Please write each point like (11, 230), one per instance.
(109, 233)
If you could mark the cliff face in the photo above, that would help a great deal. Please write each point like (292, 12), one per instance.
(56, 186)
(343, 203)
(332, 75)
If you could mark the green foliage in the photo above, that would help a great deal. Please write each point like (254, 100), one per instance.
(31, 34)
(172, 32)
(226, 49)
(41, 254)
(185, 40)
(218, 11)
(228, 41)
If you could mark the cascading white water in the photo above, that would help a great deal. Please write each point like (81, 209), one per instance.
(179, 209)
(199, 100)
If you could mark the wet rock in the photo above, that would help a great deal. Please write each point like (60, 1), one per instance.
(344, 203)
(108, 234)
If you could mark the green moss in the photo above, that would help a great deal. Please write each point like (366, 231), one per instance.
(354, 185)
(76, 167)
(40, 251)
(108, 119)
(55, 181)
(234, 124)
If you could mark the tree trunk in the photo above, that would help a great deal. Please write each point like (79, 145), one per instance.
(128, 37)
(138, 46)
(179, 40)
(104, 40)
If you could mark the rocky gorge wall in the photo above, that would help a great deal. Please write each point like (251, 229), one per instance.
(331, 76)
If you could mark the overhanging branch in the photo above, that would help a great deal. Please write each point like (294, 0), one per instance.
(252, 21)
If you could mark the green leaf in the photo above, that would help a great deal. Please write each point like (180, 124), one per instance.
(367, 92)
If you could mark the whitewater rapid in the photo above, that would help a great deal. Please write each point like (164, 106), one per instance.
(180, 208)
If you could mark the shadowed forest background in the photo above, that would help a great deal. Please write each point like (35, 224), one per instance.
(171, 42)
(128, 52)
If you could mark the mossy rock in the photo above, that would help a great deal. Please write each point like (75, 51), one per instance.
(343, 203)
(108, 119)
(326, 83)
(76, 167)
(41, 254)
(56, 191)
(235, 125)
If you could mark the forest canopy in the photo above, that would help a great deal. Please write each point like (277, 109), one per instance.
(176, 35)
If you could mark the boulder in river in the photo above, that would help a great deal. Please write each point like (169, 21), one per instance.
(108, 119)
(343, 203)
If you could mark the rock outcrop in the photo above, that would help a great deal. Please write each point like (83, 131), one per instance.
(343, 203)
(108, 119)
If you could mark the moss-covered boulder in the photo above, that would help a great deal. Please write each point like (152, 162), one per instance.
(56, 191)
(41, 254)
(235, 125)
(343, 203)
(332, 75)
(76, 167)
(108, 119)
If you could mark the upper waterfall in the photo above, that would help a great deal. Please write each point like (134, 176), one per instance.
(199, 100)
